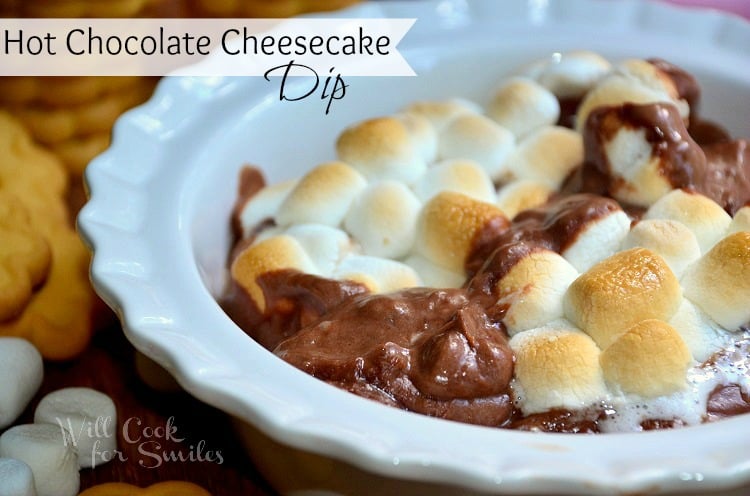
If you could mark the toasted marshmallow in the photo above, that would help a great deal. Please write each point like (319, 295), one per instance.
(533, 290)
(619, 292)
(383, 148)
(448, 225)
(423, 134)
(523, 105)
(521, 195)
(719, 283)
(383, 219)
(741, 221)
(557, 366)
(635, 81)
(650, 359)
(547, 156)
(441, 112)
(671, 239)
(598, 240)
(573, 74)
(703, 336)
(264, 205)
(705, 218)
(379, 275)
(637, 165)
(275, 253)
(434, 276)
(475, 137)
(462, 176)
(326, 246)
(322, 196)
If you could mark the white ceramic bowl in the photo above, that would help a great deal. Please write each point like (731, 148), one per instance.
(157, 220)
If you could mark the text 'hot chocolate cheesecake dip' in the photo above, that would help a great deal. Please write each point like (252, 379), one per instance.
(573, 257)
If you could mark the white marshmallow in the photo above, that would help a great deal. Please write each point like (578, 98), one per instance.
(461, 176)
(383, 219)
(702, 335)
(433, 275)
(89, 417)
(632, 158)
(264, 205)
(21, 370)
(326, 246)
(534, 289)
(49, 452)
(322, 196)
(477, 138)
(547, 156)
(384, 148)
(557, 366)
(423, 134)
(521, 195)
(741, 221)
(16, 478)
(379, 275)
(671, 239)
(573, 74)
(705, 218)
(441, 112)
(523, 105)
(598, 240)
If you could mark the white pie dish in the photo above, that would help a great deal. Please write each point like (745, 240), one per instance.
(157, 221)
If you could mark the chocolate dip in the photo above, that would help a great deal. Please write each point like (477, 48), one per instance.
(430, 351)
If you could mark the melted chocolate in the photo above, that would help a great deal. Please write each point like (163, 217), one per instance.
(430, 351)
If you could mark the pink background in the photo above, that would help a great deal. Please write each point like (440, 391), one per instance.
(741, 7)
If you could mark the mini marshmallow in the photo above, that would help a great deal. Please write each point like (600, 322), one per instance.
(634, 161)
(326, 246)
(383, 148)
(629, 84)
(547, 156)
(379, 275)
(619, 292)
(322, 196)
(21, 370)
(264, 205)
(48, 450)
(423, 134)
(441, 112)
(741, 221)
(521, 195)
(461, 176)
(719, 282)
(434, 276)
(573, 74)
(671, 239)
(383, 219)
(522, 105)
(598, 240)
(557, 366)
(274, 253)
(16, 478)
(703, 336)
(89, 417)
(650, 359)
(533, 289)
(705, 218)
(448, 225)
(477, 138)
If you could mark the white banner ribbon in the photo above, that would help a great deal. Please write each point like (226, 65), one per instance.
(203, 47)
